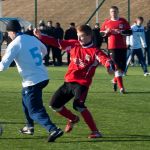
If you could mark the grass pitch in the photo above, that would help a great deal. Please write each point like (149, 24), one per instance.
(123, 119)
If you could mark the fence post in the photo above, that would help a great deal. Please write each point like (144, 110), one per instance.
(95, 11)
(35, 13)
(129, 11)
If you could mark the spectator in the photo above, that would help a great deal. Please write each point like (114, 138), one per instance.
(70, 33)
(30, 30)
(50, 31)
(59, 34)
(97, 38)
(147, 34)
(50, 28)
(42, 27)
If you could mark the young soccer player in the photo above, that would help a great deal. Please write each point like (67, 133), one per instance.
(137, 41)
(115, 28)
(84, 57)
(27, 51)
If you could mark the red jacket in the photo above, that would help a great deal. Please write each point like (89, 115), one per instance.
(116, 40)
(84, 60)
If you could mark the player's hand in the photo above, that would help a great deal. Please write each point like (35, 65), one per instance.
(128, 47)
(115, 31)
(110, 67)
(37, 32)
(105, 33)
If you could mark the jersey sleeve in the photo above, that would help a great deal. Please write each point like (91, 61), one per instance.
(103, 58)
(62, 44)
(9, 56)
(43, 49)
(143, 40)
(126, 25)
(103, 28)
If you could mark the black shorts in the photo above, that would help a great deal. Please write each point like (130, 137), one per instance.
(119, 57)
(66, 92)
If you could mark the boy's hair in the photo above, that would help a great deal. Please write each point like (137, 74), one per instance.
(140, 18)
(114, 7)
(85, 28)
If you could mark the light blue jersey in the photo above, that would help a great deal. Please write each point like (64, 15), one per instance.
(27, 51)
(137, 39)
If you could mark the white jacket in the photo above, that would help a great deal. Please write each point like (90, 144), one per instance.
(137, 39)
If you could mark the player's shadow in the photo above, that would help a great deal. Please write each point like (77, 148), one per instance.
(13, 122)
(139, 92)
(23, 138)
(111, 138)
(77, 139)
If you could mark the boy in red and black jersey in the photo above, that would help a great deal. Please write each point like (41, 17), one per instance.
(116, 29)
(85, 57)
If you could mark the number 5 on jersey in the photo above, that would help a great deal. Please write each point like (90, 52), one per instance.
(36, 56)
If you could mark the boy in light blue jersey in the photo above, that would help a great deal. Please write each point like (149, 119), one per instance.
(27, 51)
(136, 42)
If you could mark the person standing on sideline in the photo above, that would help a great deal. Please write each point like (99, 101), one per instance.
(85, 58)
(70, 33)
(115, 29)
(147, 35)
(50, 31)
(1, 41)
(59, 34)
(137, 41)
(27, 51)
(97, 38)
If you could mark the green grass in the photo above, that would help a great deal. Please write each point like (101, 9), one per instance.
(123, 119)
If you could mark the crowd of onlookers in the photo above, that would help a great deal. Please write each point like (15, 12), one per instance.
(54, 55)
(58, 32)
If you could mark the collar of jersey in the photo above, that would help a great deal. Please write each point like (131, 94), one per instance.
(19, 33)
(88, 45)
(116, 19)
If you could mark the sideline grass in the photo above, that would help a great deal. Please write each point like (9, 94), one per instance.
(123, 119)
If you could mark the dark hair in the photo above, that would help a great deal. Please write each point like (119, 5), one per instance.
(50, 21)
(13, 25)
(72, 24)
(85, 28)
(114, 7)
(58, 24)
(140, 18)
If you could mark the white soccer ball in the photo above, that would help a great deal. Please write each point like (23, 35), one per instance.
(1, 130)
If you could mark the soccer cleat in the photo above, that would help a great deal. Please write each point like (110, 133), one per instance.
(70, 124)
(146, 74)
(95, 134)
(54, 134)
(27, 130)
(122, 91)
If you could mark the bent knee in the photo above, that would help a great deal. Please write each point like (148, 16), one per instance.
(55, 108)
(79, 106)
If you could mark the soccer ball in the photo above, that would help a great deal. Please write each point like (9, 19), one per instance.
(1, 130)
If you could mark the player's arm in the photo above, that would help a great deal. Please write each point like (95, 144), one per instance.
(9, 56)
(104, 31)
(105, 61)
(143, 40)
(127, 31)
(43, 49)
(62, 44)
